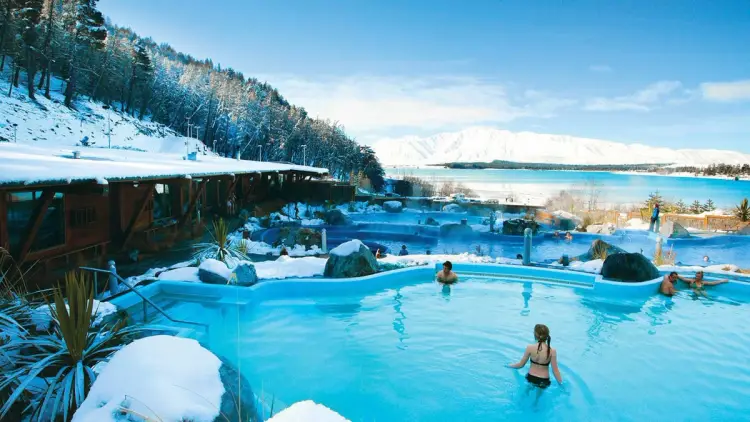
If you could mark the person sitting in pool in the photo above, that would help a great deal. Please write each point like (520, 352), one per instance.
(698, 283)
(667, 284)
(541, 355)
(556, 234)
(447, 276)
(403, 251)
(568, 236)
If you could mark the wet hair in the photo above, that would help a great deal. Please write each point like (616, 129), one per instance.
(519, 256)
(403, 246)
(541, 334)
(448, 265)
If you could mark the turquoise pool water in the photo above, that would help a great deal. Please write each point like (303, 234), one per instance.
(418, 353)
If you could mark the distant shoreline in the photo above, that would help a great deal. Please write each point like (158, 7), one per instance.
(742, 178)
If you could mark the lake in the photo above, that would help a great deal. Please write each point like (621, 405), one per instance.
(534, 186)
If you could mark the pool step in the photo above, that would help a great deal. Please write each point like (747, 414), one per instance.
(523, 278)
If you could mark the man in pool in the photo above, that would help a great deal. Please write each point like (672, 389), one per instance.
(697, 283)
(447, 276)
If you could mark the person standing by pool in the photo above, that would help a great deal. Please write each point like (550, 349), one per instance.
(542, 356)
(403, 251)
(654, 219)
(447, 276)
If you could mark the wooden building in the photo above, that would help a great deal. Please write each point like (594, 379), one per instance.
(62, 209)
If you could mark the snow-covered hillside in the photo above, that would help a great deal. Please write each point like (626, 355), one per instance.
(48, 123)
(483, 144)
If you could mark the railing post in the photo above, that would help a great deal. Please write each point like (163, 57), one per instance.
(527, 246)
(324, 241)
(113, 286)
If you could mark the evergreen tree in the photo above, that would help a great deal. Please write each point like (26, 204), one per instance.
(86, 25)
(653, 199)
(680, 207)
(696, 207)
(709, 206)
(29, 13)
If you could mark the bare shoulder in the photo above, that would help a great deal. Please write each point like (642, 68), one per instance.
(552, 351)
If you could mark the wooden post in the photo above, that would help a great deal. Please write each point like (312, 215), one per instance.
(141, 206)
(32, 228)
(193, 201)
(228, 194)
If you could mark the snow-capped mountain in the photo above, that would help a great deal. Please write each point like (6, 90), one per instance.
(483, 144)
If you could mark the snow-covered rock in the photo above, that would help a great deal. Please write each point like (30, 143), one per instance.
(307, 411)
(350, 259)
(41, 316)
(452, 208)
(244, 274)
(162, 378)
(393, 206)
(607, 228)
(212, 271)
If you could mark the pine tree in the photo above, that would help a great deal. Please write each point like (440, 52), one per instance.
(29, 13)
(87, 27)
(696, 207)
(709, 206)
(680, 207)
(653, 199)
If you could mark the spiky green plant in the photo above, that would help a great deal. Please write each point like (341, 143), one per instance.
(599, 250)
(12, 277)
(221, 248)
(63, 360)
(742, 211)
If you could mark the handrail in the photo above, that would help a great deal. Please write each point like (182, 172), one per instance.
(145, 300)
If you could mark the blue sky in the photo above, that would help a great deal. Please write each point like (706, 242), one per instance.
(670, 73)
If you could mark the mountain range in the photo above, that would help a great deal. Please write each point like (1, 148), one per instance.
(484, 144)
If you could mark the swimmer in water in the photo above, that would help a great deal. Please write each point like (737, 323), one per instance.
(542, 356)
(447, 276)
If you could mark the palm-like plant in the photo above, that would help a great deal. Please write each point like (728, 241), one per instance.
(599, 250)
(63, 360)
(742, 211)
(222, 248)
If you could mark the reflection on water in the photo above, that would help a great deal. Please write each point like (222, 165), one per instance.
(398, 321)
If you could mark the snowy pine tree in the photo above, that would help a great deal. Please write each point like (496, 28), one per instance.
(696, 207)
(680, 207)
(86, 25)
(653, 199)
(709, 206)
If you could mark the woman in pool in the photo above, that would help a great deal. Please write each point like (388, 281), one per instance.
(542, 355)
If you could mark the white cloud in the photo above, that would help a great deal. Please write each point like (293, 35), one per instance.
(600, 68)
(367, 104)
(726, 91)
(642, 100)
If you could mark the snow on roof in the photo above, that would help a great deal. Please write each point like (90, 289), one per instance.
(29, 165)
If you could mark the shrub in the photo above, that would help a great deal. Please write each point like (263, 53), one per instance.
(587, 221)
(742, 211)
(222, 248)
(64, 359)
(599, 250)
(664, 258)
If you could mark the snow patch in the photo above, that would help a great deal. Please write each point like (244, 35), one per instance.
(189, 274)
(307, 411)
(287, 267)
(418, 260)
(161, 377)
(347, 248)
(41, 317)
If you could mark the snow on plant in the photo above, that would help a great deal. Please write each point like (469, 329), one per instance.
(223, 247)
(63, 360)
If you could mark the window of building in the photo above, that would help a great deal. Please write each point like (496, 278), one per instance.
(21, 207)
(162, 202)
(82, 217)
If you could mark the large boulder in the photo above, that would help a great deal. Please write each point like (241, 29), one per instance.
(304, 236)
(456, 230)
(337, 217)
(167, 378)
(431, 222)
(350, 259)
(238, 400)
(517, 226)
(453, 208)
(629, 268)
(673, 230)
(599, 250)
(393, 206)
(244, 274)
(212, 271)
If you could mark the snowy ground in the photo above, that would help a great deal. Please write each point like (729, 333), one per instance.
(283, 267)
(307, 411)
(41, 317)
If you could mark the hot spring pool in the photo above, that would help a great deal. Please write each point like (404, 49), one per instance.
(417, 353)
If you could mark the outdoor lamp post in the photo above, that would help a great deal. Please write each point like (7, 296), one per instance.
(260, 155)
(109, 126)
(304, 155)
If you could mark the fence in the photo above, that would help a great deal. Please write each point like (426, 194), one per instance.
(706, 222)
